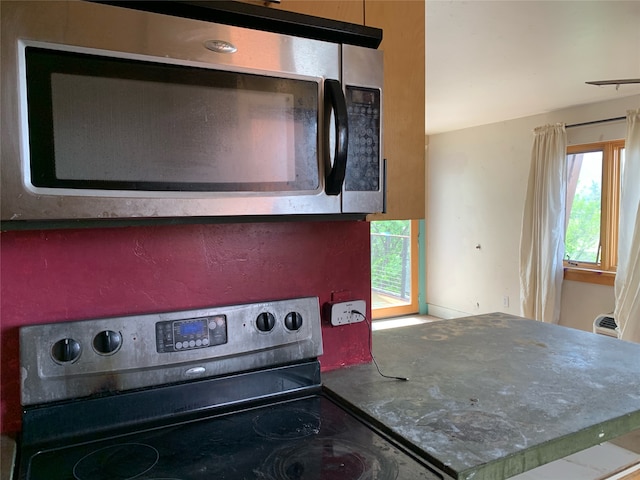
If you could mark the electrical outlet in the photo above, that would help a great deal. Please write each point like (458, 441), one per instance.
(505, 301)
(343, 313)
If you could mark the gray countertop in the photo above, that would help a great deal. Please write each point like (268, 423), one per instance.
(494, 395)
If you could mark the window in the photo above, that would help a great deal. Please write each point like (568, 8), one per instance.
(591, 225)
(394, 268)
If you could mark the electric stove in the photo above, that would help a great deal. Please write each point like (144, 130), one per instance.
(218, 393)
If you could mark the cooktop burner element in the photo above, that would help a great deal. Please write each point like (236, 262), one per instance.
(116, 462)
(299, 424)
(255, 411)
(330, 458)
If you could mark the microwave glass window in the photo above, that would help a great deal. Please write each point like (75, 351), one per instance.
(124, 124)
(191, 132)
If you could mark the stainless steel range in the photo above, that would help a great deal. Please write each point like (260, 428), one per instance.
(217, 393)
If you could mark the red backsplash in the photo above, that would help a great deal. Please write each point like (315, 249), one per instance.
(60, 275)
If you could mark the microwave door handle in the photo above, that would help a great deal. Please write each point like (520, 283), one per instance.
(334, 99)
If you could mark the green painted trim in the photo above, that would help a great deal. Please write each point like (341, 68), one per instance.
(422, 269)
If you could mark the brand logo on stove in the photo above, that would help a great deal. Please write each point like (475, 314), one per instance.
(220, 46)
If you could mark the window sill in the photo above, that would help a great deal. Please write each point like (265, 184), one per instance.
(589, 276)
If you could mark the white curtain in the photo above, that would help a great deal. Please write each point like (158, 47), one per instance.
(542, 235)
(627, 285)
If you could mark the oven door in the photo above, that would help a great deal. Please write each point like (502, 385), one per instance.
(170, 117)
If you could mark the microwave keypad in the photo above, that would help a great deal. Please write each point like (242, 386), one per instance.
(363, 159)
(189, 334)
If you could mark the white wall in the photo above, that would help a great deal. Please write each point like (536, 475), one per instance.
(476, 186)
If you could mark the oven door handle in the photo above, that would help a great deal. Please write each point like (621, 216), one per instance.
(334, 100)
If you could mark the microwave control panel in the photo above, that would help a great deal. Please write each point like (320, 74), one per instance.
(363, 111)
(180, 335)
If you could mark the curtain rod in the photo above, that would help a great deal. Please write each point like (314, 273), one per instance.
(616, 119)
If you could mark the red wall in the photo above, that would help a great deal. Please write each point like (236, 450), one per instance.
(59, 275)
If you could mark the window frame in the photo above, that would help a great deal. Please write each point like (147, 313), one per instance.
(604, 272)
(411, 307)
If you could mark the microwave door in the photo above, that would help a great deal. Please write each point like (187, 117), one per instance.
(236, 142)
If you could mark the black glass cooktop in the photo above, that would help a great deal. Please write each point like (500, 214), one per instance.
(308, 438)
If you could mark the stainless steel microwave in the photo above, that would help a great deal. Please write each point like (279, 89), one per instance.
(110, 112)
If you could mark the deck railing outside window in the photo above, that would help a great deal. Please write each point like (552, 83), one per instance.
(391, 265)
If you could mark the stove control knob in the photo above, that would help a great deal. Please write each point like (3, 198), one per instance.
(293, 321)
(66, 350)
(265, 322)
(107, 342)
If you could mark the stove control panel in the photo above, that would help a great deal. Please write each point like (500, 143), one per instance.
(179, 335)
(64, 360)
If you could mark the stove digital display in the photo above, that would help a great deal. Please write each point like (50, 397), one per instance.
(191, 328)
(175, 336)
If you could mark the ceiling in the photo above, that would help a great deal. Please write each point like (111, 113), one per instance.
(490, 61)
